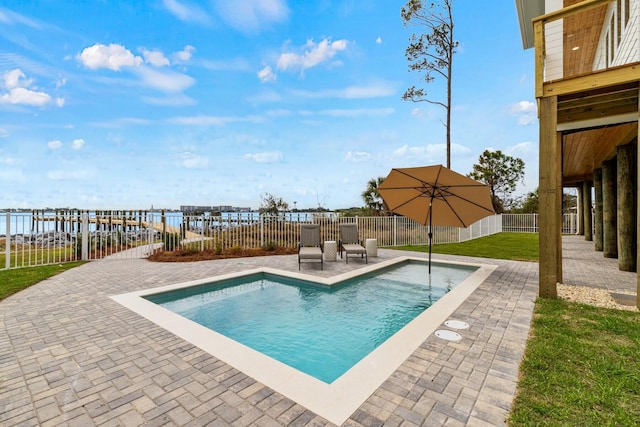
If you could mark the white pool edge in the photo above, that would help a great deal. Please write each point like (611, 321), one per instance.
(336, 401)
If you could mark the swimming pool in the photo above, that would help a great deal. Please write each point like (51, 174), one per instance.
(322, 331)
(337, 400)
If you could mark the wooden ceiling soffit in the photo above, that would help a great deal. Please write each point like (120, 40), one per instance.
(586, 150)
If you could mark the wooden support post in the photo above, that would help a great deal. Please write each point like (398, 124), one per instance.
(597, 228)
(627, 207)
(580, 210)
(609, 209)
(550, 199)
(586, 211)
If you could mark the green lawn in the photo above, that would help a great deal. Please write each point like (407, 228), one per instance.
(15, 280)
(513, 246)
(581, 368)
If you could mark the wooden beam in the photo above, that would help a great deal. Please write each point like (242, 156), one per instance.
(540, 53)
(609, 77)
(550, 194)
(618, 108)
(599, 96)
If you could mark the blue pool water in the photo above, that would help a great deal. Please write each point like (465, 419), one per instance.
(318, 330)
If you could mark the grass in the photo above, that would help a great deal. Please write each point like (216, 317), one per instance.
(581, 367)
(512, 246)
(15, 280)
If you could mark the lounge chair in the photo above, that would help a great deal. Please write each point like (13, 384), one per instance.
(350, 243)
(310, 246)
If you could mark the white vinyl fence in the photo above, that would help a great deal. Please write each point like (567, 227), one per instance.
(40, 238)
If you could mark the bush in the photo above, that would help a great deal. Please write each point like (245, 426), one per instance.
(269, 246)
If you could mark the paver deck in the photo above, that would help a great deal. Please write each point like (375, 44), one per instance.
(69, 355)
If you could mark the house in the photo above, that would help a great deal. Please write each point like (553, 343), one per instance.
(587, 68)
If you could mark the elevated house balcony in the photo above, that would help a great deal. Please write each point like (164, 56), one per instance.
(587, 69)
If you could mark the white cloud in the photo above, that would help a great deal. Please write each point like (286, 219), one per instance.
(376, 90)
(170, 101)
(165, 80)
(265, 157)
(267, 75)
(113, 57)
(429, 151)
(60, 102)
(8, 160)
(23, 96)
(379, 40)
(10, 18)
(311, 55)
(69, 175)
(357, 156)
(77, 144)
(522, 150)
(523, 107)
(250, 16)
(4, 133)
(187, 12)
(54, 144)
(17, 85)
(204, 120)
(61, 82)
(15, 78)
(184, 55)
(155, 58)
(193, 161)
(357, 112)
(526, 112)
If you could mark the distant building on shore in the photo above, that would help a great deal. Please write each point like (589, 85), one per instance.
(202, 209)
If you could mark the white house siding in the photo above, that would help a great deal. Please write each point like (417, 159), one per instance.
(553, 43)
(628, 50)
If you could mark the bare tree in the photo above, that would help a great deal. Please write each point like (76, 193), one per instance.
(431, 52)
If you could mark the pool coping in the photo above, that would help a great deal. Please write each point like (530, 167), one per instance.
(335, 401)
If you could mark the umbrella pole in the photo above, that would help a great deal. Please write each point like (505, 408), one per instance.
(430, 234)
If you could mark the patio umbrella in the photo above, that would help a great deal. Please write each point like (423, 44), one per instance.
(436, 195)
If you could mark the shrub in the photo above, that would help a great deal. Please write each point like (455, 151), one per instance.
(171, 241)
(269, 246)
(235, 250)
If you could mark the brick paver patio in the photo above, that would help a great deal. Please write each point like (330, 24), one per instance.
(69, 355)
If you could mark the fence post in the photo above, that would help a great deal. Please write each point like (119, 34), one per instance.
(261, 230)
(85, 236)
(394, 230)
(7, 256)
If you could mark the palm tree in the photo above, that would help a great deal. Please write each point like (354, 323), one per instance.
(372, 199)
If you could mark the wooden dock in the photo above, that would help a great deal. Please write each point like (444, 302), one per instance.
(117, 222)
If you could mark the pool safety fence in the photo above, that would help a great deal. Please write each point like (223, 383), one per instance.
(41, 238)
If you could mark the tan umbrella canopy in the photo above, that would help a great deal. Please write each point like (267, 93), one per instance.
(435, 195)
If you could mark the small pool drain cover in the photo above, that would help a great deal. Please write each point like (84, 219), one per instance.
(456, 324)
(448, 335)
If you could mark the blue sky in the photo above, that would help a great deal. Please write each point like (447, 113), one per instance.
(124, 105)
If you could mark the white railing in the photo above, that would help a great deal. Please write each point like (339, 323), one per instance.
(41, 238)
(528, 223)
